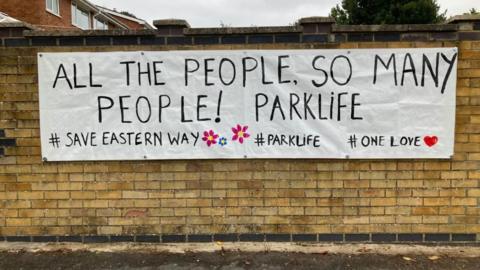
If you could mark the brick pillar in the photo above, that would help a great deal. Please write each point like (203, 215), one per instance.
(468, 22)
(316, 25)
(171, 27)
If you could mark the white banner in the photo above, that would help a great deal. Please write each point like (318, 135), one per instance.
(364, 103)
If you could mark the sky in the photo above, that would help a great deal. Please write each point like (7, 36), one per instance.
(213, 13)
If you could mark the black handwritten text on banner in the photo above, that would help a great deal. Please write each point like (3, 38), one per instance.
(382, 103)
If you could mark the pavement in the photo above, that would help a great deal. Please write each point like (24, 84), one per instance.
(236, 256)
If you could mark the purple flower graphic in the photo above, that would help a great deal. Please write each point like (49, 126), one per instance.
(210, 137)
(240, 133)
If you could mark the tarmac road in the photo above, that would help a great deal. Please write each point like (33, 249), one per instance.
(227, 260)
(236, 256)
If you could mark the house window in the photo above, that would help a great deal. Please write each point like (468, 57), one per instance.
(80, 18)
(53, 6)
(100, 25)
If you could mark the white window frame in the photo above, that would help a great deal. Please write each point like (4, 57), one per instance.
(95, 20)
(52, 10)
(74, 8)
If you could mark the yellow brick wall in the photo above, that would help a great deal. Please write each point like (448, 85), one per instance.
(234, 196)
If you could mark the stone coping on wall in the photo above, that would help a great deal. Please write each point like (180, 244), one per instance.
(171, 22)
(464, 18)
(42, 39)
(316, 19)
(304, 26)
(86, 33)
(242, 30)
(396, 28)
(250, 30)
(306, 30)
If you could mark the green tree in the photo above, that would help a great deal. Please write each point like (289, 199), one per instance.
(473, 11)
(388, 12)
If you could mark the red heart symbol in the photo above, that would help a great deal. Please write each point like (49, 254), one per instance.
(430, 140)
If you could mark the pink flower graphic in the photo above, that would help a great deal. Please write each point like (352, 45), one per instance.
(210, 137)
(240, 133)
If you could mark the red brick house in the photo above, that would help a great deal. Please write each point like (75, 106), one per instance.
(63, 14)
